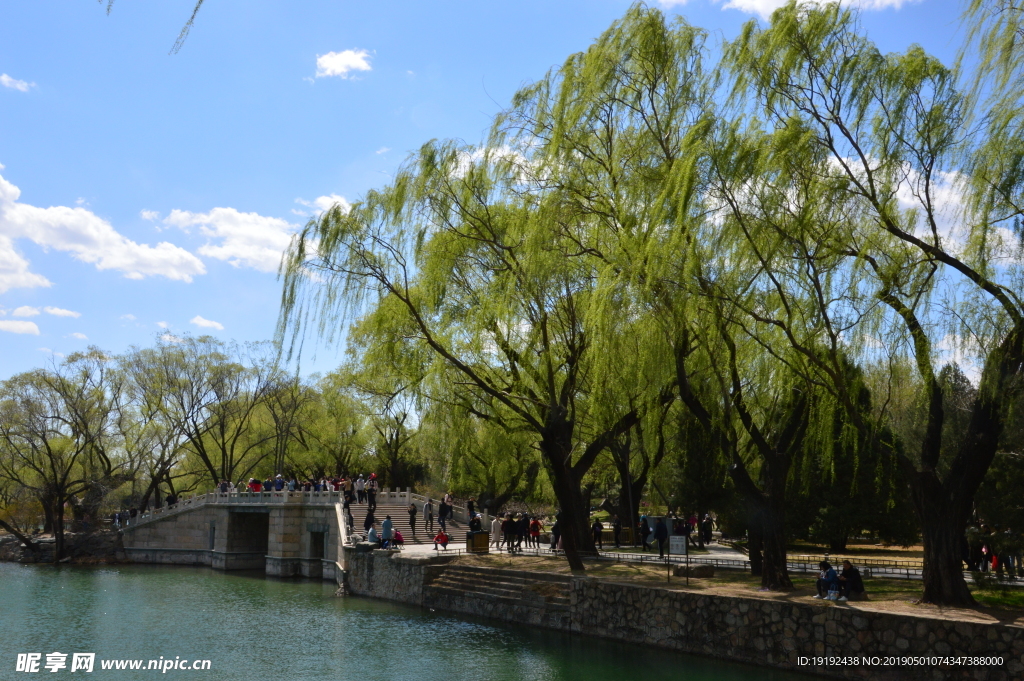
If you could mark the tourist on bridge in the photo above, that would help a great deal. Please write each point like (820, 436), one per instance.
(224, 486)
(398, 541)
(616, 530)
(428, 515)
(371, 491)
(475, 524)
(449, 505)
(371, 536)
(268, 485)
(496, 538)
(442, 515)
(471, 507)
(387, 531)
(293, 484)
(412, 518)
(661, 534)
(598, 529)
(360, 486)
(278, 482)
(369, 521)
(441, 538)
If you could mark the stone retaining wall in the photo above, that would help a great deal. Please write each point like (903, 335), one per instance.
(763, 632)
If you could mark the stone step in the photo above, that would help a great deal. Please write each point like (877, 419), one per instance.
(548, 605)
(511, 573)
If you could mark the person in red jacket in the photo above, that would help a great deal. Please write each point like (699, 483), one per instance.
(441, 538)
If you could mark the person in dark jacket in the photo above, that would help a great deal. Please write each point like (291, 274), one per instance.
(616, 529)
(661, 534)
(522, 530)
(851, 586)
(645, 531)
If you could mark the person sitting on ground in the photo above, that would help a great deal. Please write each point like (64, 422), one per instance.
(851, 586)
(828, 580)
(475, 525)
(398, 541)
(441, 538)
(371, 536)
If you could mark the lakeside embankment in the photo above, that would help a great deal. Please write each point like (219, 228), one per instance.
(771, 632)
(775, 632)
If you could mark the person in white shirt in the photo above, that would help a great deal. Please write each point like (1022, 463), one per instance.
(361, 489)
(428, 515)
(496, 532)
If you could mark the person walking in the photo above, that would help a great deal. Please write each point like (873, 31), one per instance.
(522, 530)
(598, 529)
(645, 531)
(556, 531)
(412, 518)
(442, 513)
(360, 486)
(661, 534)
(371, 491)
(428, 515)
(616, 530)
(496, 537)
(535, 528)
(368, 522)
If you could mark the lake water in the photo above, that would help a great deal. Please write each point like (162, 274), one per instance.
(255, 628)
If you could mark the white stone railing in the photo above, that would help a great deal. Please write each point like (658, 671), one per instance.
(239, 498)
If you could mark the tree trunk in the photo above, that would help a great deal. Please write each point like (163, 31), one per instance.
(942, 526)
(774, 571)
(58, 531)
(556, 447)
(755, 546)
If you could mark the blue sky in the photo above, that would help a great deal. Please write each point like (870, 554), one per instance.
(144, 193)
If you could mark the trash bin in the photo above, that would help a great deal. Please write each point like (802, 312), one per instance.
(477, 542)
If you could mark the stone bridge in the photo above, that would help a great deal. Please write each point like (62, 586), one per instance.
(284, 533)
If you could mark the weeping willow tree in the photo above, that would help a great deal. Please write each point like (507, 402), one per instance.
(905, 261)
(461, 285)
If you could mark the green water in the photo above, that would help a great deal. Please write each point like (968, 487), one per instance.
(256, 628)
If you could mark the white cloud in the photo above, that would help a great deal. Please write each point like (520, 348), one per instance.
(61, 312)
(323, 203)
(764, 8)
(243, 239)
(129, 317)
(206, 323)
(14, 83)
(162, 325)
(342, 63)
(150, 215)
(87, 237)
(11, 326)
(383, 150)
(79, 336)
(25, 311)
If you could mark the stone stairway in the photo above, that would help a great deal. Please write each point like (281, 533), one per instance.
(510, 595)
(400, 520)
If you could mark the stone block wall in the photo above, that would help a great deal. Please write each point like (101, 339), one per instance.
(756, 631)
